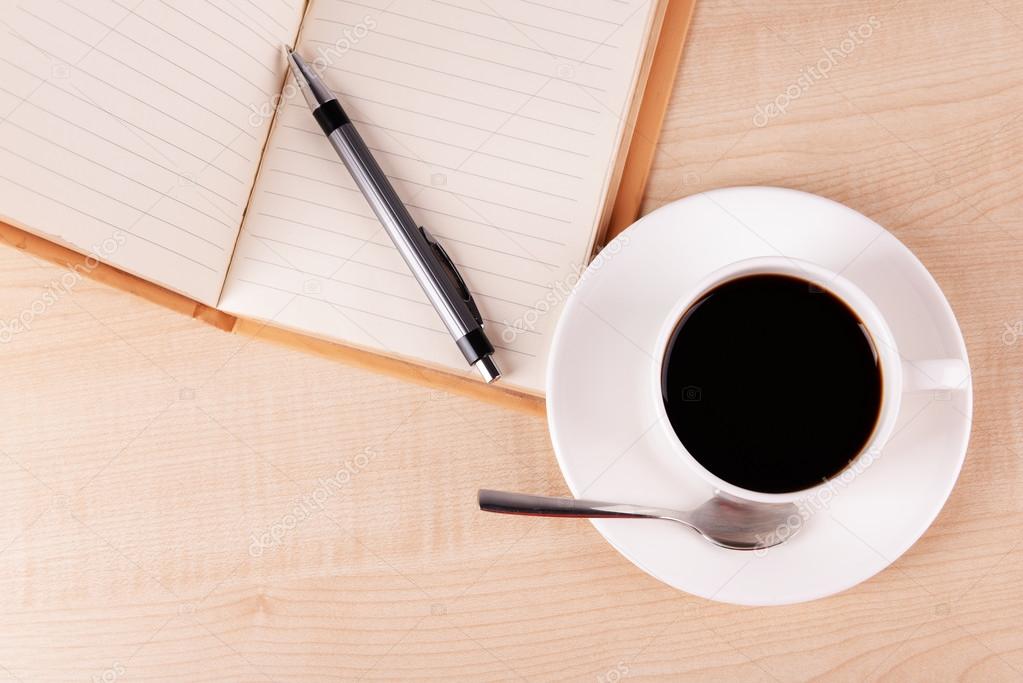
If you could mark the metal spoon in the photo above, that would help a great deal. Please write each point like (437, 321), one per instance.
(724, 521)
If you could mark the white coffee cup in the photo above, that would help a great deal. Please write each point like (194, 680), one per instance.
(898, 374)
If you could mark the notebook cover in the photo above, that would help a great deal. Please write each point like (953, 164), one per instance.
(650, 119)
(662, 60)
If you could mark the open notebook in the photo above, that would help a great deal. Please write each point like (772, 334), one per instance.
(162, 138)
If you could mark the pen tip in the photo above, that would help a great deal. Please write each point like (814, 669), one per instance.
(488, 369)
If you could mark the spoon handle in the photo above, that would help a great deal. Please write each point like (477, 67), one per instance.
(549, 506)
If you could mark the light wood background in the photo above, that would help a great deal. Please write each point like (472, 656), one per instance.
(140, 450)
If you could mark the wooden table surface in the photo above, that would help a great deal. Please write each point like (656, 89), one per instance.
(185, 504)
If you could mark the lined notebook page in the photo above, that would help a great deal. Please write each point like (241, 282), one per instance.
(131, 130)
(499, 125)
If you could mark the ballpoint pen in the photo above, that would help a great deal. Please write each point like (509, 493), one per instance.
(425, 257)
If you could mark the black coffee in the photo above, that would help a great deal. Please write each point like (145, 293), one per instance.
(771, 383)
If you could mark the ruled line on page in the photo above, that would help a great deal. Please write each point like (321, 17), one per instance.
(373, 221)
(581, 15)
(546, 29)
(363, 123)
(138, 122)
(410, 181)
(420, 301)
(476, 81)
(271, 36)
(266, 14)
(373, 314)
(401, 273)
(421, 207)
(530, 95)
(467, 55)
(242, 24)
(240, 75)
(462, 31)
(233, 123)
(436, 165)
(109, 169)
(482, 141)
(461, 265)
(106, 222)
(133, 97)
(244, 52)
(482, 129)
(114, 199)
(114, 144)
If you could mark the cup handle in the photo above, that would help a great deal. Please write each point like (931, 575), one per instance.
(945, 374)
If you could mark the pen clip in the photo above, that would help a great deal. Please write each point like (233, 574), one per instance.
(453, 273)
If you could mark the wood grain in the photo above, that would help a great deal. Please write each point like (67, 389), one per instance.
(142, 451)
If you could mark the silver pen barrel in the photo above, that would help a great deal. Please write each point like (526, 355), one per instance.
(425, 257)
(409, 240)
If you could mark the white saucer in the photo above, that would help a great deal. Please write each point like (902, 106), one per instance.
(603, 424)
